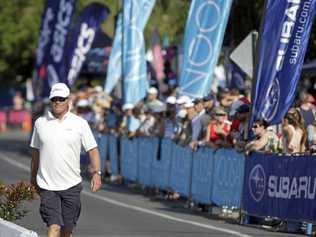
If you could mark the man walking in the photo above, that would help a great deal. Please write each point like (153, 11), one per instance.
(55, 167)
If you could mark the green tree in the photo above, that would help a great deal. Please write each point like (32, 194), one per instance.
(19, 30)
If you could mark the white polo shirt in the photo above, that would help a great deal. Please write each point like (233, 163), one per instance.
(59, 144)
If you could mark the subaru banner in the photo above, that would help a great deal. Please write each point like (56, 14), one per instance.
(55, 25)
(282, 46)
(202, 44)
(135, 85)
(81, 40)
(280, 186)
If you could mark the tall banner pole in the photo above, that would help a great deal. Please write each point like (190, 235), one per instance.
(282, 45)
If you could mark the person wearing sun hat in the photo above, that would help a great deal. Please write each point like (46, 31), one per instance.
(55, 167)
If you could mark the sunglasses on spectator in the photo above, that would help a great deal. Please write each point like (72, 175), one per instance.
(255, 126)
(220, 114)
(59, 99)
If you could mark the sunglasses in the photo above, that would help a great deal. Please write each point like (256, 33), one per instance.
(255, 126)
(59, 99)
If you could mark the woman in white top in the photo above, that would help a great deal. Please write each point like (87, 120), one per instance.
(294, 135)
(311, 137)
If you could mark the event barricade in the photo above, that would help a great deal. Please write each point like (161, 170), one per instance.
(148, 149)
(280, 186)
(181, 170)
(129, 158)
(228, 177)
(103, 145)
(202, 175)
(162, 164)
(114, 154)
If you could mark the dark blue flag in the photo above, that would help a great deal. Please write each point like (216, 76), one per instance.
(56, 56)
(81, 40)
(282, 46)
(55, 25)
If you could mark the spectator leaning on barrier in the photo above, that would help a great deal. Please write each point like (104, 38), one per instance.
(294, 134)
(239, 129)
(170, 118)
(55, 167)
(311, 137)
(130, 123)
(307, 109)
(265, 140)
(218, 129)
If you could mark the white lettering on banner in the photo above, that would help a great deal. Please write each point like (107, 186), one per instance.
(215, 11)
(134, 54)
(301, 28)
(45, 35)
(272, 97)
(60, 33)
(303, 187)
(209, 8)
(85, 41)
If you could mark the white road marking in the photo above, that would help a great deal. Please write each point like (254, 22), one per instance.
(132, 207)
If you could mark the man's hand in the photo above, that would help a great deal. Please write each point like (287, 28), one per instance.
(95, 182)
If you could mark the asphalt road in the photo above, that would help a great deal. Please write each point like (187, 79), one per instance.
(118, 211)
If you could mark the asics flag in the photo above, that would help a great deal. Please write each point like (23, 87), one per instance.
(55, 25)
(202, 44)
(80, 42)
(282, 46)
(135, 85)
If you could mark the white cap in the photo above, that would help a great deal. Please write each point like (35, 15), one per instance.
(98, 88)
(182, 113)
(128, 106)
(171, 100)
(83, 103)
(183, 99)
(189, 105)
(152, 90)
(59, 90)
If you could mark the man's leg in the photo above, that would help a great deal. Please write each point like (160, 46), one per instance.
(71, 206)
(53, 231)
(50, 210)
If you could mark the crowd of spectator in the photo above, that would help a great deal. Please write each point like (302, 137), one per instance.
(218, 120)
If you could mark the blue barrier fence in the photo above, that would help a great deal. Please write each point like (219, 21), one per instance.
(218, 176)
(206, 175)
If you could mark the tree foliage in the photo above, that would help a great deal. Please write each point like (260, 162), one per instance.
(20, 24)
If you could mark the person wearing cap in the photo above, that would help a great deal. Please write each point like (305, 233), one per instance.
(239, 128)
(152, 99)
(130, 123)
(55, 168)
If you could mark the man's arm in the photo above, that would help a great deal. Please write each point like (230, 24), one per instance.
(96, 166)
(34, 166)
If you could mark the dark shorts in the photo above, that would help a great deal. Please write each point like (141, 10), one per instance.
(61, 207)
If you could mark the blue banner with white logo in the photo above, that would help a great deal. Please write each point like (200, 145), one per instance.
(81, 40)
(55, 25)
(114, 71)
(282, 46)
(280, 186)
(202, 44)
(56, 61)
(134, 64)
